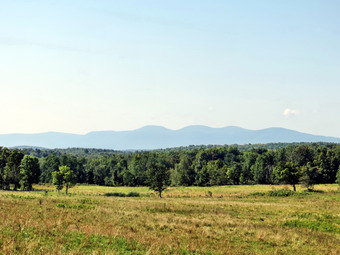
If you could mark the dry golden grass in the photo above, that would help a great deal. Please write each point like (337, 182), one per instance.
(191, 220)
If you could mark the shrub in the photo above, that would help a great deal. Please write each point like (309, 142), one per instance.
(120, 194)
(281, 193)
(114, 194)
(257, 194)
(133, 194)
(313, 191)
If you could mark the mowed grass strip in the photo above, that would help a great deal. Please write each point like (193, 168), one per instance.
(189, 220)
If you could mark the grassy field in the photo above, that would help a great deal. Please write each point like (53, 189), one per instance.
(188, 220)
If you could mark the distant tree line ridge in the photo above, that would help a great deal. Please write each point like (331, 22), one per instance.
(186, 166)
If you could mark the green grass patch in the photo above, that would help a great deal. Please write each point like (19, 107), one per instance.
(20, 196)
(77, 241)
(87, 201)
(167, 209)
(73, 242)
(320, 225)
(75, 206)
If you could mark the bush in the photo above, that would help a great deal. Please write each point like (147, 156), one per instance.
(313, 191)
(114, 194)
(280, 193)
(133, 194)
(257, 194)
(120, 194)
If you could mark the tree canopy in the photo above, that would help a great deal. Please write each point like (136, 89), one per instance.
(309, 163)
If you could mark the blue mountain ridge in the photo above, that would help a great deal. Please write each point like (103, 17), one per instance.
(157, 137)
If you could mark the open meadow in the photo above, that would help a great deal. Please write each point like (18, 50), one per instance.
(258, 219)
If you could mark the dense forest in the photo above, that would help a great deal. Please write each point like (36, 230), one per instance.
(185, 166)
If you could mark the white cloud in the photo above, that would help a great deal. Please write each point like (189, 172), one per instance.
(290, 112)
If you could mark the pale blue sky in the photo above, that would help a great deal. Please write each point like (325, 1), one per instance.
(84, 65)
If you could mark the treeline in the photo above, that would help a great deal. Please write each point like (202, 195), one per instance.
(90, 152)
(18, 170)
(200, 166)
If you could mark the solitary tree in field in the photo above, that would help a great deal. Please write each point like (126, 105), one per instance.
(309, 176)
(288, 172)
(58, 180)
(158, 175)
(29, 172)
(63, 177)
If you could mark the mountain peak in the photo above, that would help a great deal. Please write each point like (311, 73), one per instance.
(152, 128)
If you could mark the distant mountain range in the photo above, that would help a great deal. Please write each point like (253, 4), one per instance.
(157, 137)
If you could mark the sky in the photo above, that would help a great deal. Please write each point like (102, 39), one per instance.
(77, 66)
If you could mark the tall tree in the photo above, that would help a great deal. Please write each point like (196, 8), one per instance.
(183, 173)
(338, 176)
(12, 169)
(158, 175)
(309, 176)
(64, 177)
(263, 168)
(29, 171)
(234, 173)
(4, 154)
(288, 173)
(49, 164)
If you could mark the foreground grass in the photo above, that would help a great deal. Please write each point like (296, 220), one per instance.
(189, 220)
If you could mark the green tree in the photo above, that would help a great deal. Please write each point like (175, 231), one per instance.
(263, 168)
(288, 173)
(63, 177)
(309, 176)
(338, 176)
(234, 173)
(12, 169)
(58, 180)
(158, 175)
(217, 172)
(69, 179)
(49, 165)
(183, 173)
(137, 168)
(249, 159)
(326, 161)
(200, 167)
(98, 168)
(29, 172)
(4, 154)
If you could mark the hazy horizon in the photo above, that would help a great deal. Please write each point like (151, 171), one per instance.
(83, 66)
(159, 126)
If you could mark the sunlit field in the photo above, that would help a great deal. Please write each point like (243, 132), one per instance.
(188, 220)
